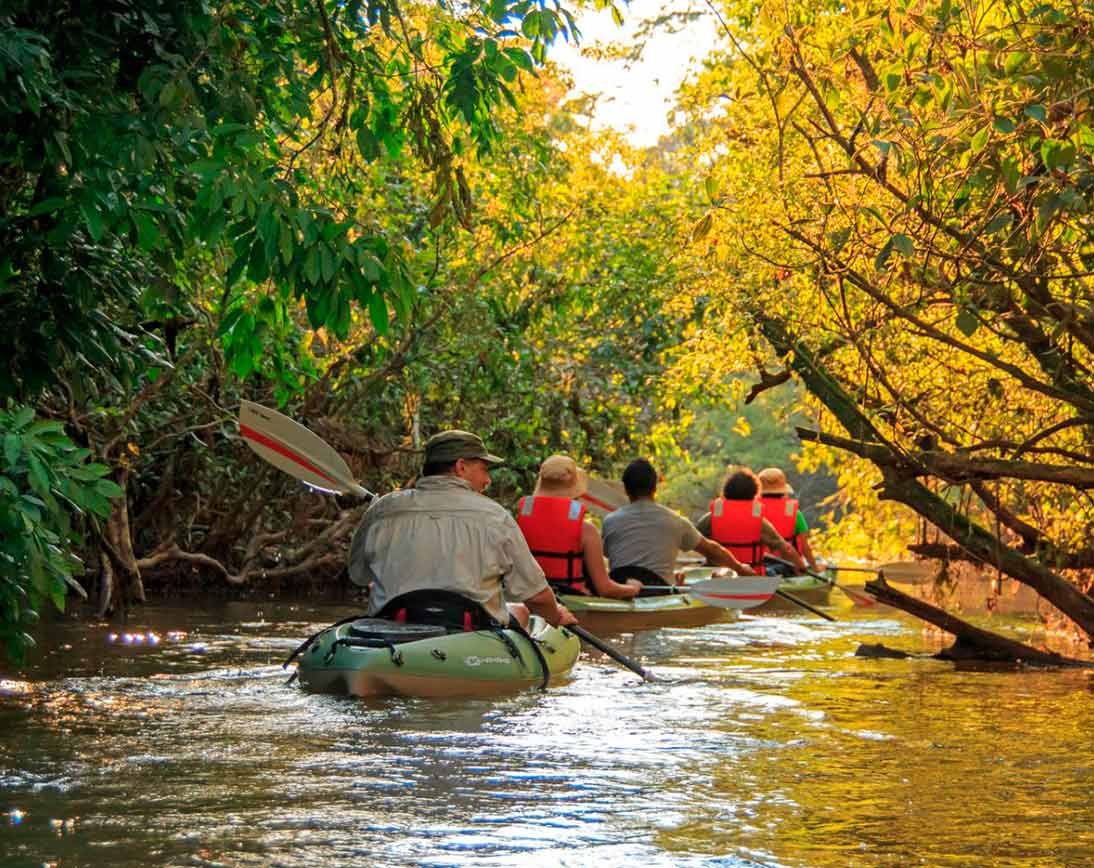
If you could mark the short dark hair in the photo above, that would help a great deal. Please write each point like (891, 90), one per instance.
(740, 484)
(639, 479)
(438, 468)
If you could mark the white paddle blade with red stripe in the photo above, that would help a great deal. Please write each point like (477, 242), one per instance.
(602, 496)
(742, 592)
(291, 447)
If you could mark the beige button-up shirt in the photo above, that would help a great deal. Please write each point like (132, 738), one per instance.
(443, 535)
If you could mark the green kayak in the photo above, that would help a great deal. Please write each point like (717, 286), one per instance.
(806, 588)
(375, 657)
(607, 615)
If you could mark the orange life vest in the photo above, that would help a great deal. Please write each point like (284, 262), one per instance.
(552, 527)
(736, 525)
(782, 512)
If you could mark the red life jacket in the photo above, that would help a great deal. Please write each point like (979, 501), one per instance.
(736, 525)
(552, 527)
(782, 512)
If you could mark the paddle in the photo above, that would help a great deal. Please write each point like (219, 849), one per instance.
(768, 584)
(602, 496)
(908, 572)
(291, 447)
(742, 592)
(857, 598)
(804, 605)
(616, 655)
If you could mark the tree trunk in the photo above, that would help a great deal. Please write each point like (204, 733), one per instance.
(899, 472)
(971, 643)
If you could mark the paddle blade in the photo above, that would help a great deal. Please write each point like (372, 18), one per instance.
(291, 447)
(602, 496)
(742, 592)
(908, 572)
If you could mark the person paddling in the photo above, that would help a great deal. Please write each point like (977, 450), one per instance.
(736, 521)
(643, 538)
(442, 552)
(782, 510)
(563, 541)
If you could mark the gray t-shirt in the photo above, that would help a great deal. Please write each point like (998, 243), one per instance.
(646, 534)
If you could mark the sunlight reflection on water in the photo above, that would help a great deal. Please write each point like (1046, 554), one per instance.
(766, 744)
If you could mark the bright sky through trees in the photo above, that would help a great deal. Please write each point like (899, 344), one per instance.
(637, 95)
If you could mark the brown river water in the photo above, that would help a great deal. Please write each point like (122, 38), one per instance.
(767, 744)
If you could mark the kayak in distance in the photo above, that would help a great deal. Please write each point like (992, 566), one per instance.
(807, 588)
(608, 615)
(376, 657)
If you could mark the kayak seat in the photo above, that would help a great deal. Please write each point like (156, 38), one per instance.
(438, 608)
(652, 584)
(384, 631)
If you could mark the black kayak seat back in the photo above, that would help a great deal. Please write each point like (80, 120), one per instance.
(385, 631)
(437, 607)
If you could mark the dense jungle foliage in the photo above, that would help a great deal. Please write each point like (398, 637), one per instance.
(391, 218)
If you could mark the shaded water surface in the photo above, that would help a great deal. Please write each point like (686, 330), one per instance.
(177, 742)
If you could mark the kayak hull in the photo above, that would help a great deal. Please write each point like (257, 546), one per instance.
(469, 664)
(606, 615)
(805, 588)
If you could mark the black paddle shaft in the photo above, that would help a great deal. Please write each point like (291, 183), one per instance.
(805, 605)
(618, 656)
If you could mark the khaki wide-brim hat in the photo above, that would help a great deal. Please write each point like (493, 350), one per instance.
(773, 481)
(559, 476)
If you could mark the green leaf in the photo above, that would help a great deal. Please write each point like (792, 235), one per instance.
(1037, 112)
(108, 488)
(1057, 154)
(838, 238)
(148, 234)
(980, 140)
(377, 310)
(1047, 210)
(13, 448)
(368, 144)
(1004, 125)
(47, 206)
(93, 219)
(967, 322)
(1014, 61)
(57, 595)
(531, 24)
(327, 263)
(903, 245)
(311, 266)
(883, 255)
(38, 475)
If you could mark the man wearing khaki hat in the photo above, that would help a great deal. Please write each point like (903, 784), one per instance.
(443, 540)
(565, 544)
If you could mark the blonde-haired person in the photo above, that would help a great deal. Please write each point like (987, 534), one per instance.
(565, 544)
(736, 521)
(783, 511)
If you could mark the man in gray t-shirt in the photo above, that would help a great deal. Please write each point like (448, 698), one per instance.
(648, 536)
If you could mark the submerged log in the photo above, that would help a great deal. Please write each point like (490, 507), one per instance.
(970, 643)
